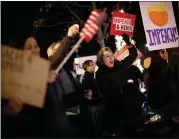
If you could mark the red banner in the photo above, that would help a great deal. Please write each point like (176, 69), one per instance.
(122, 23)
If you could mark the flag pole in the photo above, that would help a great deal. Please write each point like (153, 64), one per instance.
(69, 54)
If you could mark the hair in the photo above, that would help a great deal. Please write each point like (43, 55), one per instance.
(52, 47)
(19, 40)
(86, 64)
(100, 60)
(156, 58)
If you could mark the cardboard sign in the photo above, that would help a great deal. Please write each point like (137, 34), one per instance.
(122, 23)
(24, 76)
(159, 24)
(79, 63)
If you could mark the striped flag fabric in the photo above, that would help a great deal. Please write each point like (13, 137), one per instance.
(92, 25)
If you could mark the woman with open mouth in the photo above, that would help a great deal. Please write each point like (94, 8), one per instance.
(111, 76)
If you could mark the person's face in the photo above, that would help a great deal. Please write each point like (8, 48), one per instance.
(164, 54)
(91, 67)
(32, 46)
(108, 59)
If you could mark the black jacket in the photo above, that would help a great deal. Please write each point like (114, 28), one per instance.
(161, 85)
(110, 81)
(89, 82)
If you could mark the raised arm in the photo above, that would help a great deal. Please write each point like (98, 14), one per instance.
(62, 50)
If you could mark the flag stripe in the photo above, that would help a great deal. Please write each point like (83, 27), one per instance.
(95, 13)
(86, 32)
(90, 28)
(92, 24)
(93, 18)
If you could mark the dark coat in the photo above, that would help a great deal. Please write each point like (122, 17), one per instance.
(132, 97)
(110, 82)
(161, 85)
(89, 82)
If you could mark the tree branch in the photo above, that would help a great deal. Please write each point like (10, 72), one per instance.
(73, 13)
(76, 4)
(106, 27)
(59, 23)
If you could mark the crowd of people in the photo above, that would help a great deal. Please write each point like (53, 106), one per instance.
(109, 98)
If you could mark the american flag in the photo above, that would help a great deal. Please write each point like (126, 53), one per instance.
(92, 25)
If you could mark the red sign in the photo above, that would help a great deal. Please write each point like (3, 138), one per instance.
(124, 52)
(122, 23)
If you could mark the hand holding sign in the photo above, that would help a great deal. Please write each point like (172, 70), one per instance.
(13, 106)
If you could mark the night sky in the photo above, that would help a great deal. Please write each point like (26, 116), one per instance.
(18, 17)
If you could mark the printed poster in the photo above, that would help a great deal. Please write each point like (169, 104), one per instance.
(122, 23)
(159, 25)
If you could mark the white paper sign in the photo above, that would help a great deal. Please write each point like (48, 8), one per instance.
(24, 76)
(79, 63)
(159, 24)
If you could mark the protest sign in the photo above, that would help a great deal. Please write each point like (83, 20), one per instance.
(79, 63)
(24, 76)
(159, 24)
(122, 53)
(122, 23)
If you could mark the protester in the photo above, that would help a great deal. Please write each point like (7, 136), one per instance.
(51, 120)
(91, 109)
(88, 80)
(111, 76)
(162, 86)
(133, 98)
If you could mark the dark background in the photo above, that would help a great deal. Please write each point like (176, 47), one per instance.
(18, 17)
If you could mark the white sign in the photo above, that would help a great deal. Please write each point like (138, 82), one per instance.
(24, 76)
(159, 24)
(79, 63)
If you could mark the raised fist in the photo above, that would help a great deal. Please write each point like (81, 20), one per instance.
(126, 39)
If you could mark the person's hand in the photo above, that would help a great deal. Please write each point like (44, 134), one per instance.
(88, 94)
(13, 106)
(126, 39)
(73, 30)
(52, 76)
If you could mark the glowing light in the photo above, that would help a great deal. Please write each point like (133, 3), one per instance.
(147, 45)
(122, 11)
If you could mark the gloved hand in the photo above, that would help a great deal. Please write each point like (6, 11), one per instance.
(73, 30)
(126, 39)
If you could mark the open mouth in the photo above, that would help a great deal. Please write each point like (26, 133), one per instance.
(111, 62)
